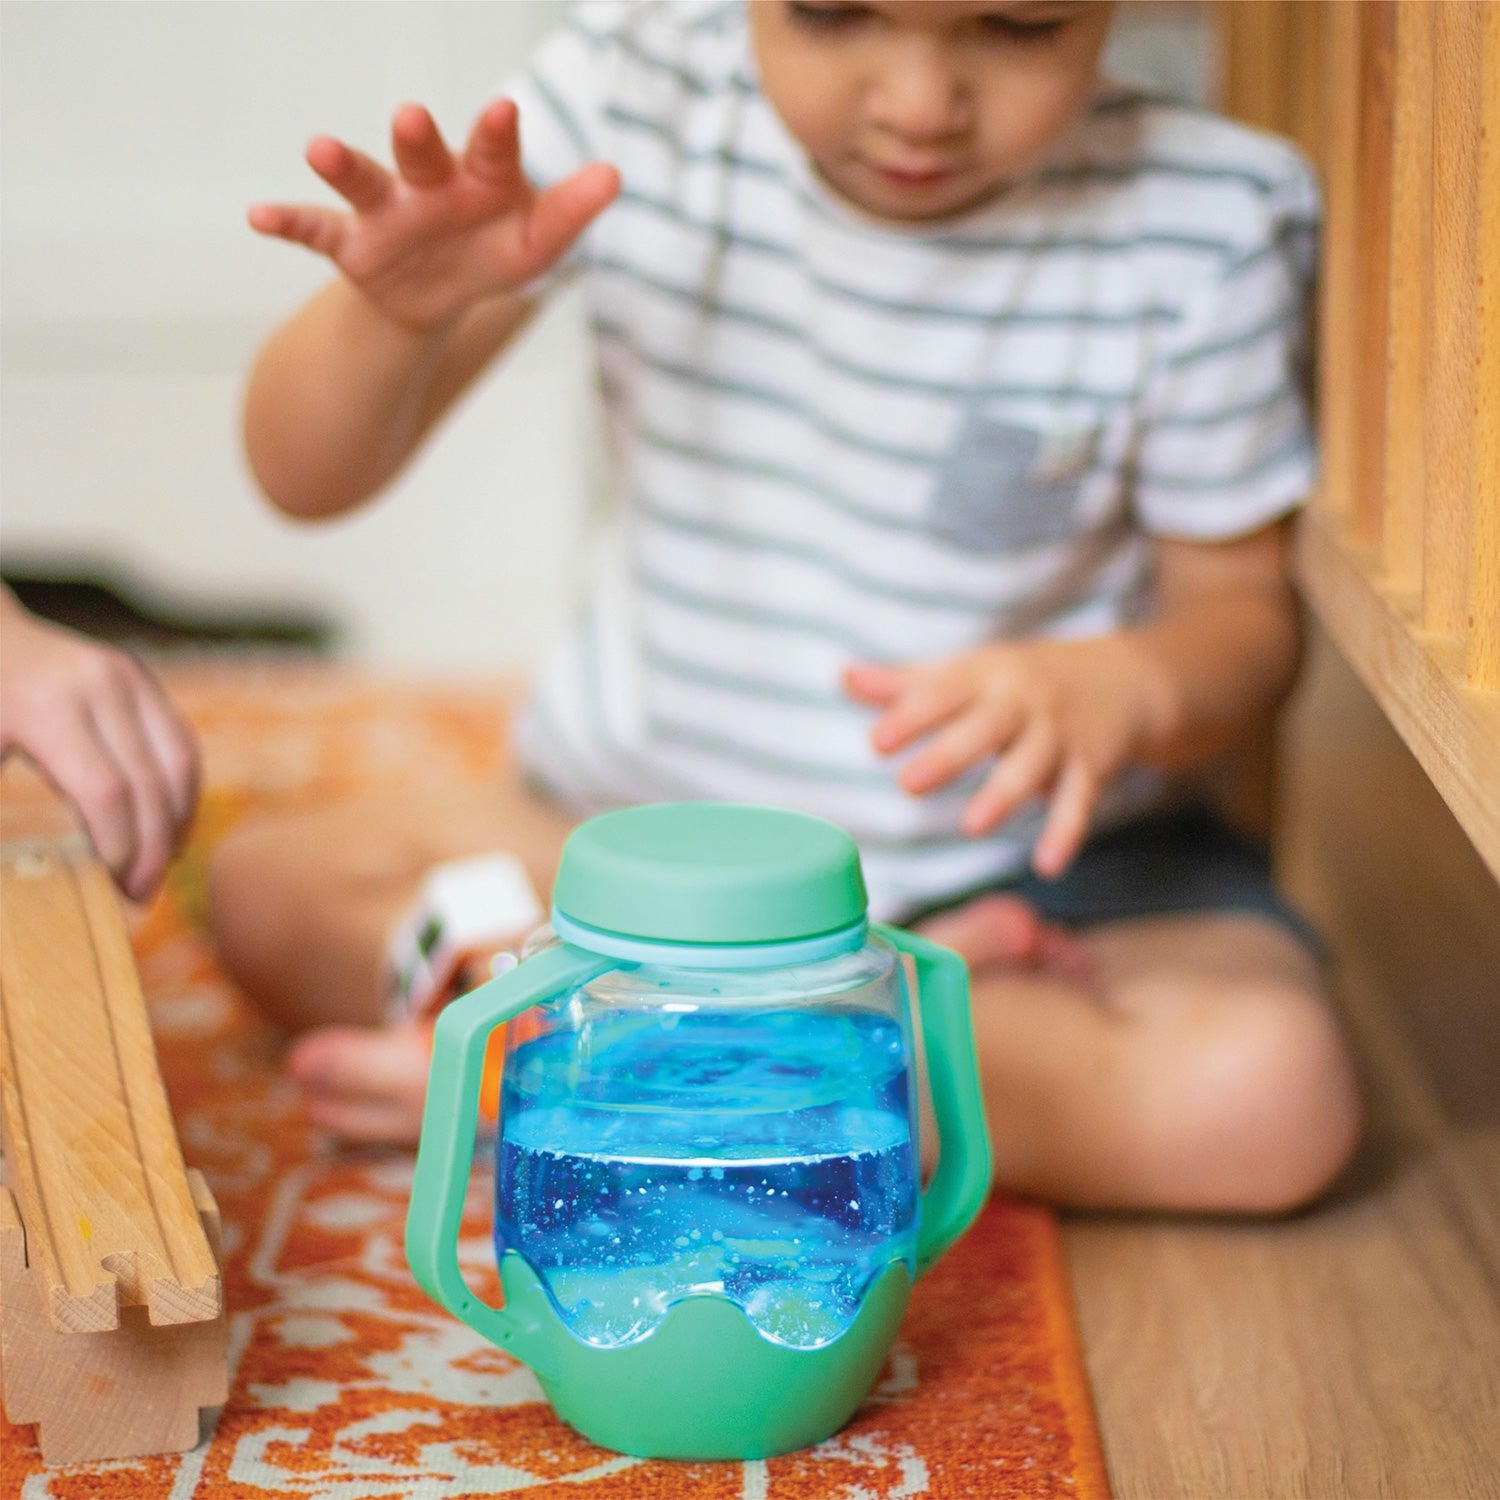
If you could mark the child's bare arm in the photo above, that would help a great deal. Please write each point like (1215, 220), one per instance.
(340, 396)
(1063, 717)
(1223, 648)
(99, 727)
(434, 258)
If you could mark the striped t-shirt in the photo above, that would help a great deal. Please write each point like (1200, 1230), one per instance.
(838, 439)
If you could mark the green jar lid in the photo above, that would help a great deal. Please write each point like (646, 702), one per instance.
(710, 872)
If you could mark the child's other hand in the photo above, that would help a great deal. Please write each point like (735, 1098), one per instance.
(442, 231)
(1061, 716)
(100, 728)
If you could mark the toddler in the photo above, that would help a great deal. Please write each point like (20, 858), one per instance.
(955, 404)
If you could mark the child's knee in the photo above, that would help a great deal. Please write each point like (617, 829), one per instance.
(239, 887)
(299, 913)
(276, 870)
(1272, 1095)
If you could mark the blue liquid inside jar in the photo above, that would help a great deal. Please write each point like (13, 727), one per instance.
(763, 1156)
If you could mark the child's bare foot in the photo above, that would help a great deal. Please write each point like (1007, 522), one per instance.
(365, 1083)
(998, 931)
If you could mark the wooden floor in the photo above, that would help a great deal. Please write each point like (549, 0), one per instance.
(1355, 1349)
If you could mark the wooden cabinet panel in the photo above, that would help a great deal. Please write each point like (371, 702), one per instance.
(1400, 549)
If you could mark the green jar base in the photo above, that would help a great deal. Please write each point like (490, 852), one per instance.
(706, 1384)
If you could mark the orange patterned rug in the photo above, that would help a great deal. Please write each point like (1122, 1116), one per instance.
(347, 1383)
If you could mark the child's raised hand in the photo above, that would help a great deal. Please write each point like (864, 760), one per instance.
(99, 727)
(1061, 716)
(443, 230)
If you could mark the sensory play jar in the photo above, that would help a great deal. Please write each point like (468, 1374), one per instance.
(708, 1211)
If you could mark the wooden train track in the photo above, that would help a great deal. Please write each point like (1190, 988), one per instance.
(112, 1324)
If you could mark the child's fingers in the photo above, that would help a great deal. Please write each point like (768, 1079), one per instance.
(82, 769)
(560, 215)
(493, 150)
(319, 229)
(175, 749)
(120, 732)
(360, 180)
(928, 702)
(1068, 816)
(968, 740)
(361, 1062)
(874, 683)
(366, 1122)
(1028, 767)
(422, 156)
(364, 1083)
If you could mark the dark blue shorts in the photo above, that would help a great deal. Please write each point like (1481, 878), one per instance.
(1182, 859)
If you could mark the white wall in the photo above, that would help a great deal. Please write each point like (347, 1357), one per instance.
(133, 134)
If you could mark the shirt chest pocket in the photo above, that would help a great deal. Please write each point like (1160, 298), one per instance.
(1005, 486)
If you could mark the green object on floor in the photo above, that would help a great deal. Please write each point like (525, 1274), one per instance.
(718, 912)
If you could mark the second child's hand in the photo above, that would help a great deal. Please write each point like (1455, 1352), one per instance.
(99, 727)
(443, 230)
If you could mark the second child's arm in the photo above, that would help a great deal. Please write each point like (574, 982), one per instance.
(435, 257)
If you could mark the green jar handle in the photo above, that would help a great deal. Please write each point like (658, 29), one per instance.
(449, 1121)
(961, 1183)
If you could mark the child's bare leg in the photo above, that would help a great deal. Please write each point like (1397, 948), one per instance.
(1200, 1070)
(303, 904)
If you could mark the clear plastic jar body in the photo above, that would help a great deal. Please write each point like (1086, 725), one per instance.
(747, 1133)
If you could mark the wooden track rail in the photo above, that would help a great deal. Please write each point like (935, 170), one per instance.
(111, 1303)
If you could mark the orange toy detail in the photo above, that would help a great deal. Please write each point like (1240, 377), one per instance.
(489, 1086)
(494, 1065)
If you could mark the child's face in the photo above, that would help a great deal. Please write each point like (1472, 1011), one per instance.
(919, 109)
